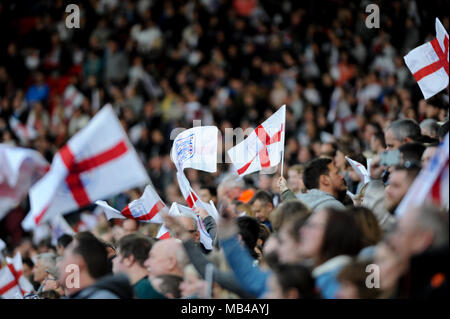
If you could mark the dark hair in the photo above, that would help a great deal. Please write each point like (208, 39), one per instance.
(212, 190)
(170, 285)
(135, 245)
(412, 152)
(296, 277)
(49, 294)
(28, 261)
(84, 235)
(368, 224)
(443, 130)
(355, 273)
(64, 240)
(342, 235)
(249, 231)
(380, 136)
(262, 196)
(315, 168)
(264, 233)
(94, 253)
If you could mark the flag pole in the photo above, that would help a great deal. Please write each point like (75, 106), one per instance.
(282, 151)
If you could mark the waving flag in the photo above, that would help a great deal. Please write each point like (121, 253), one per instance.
(432, 183)
(59, 227)
(263, 147)
(196, 148)
(360, 170)
(429, 63)
(15, 265)
(180, 210)
(98, 162)
(22, 131)
(145, 209)
(9, 289)
(20, 168)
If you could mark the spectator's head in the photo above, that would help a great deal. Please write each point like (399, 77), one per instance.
(429, 127)
(167, 257)
(289, 239)
(262, 205)
(51, 281)
(130, 226)
(295, 178)
(286, 210)
(230, 188)
(368, 224)
(400, 179)
(352, 282)
(378, 143)
(208, 193)
(44, 262)
(168, 285)
(28, 266)
(328, 150)
(322, 174)
(192, 286)
(248, 232)
(131, 255)
(420, 229)
(400, 132)
(291, 282)
(329, 233)
(85, 260)
(428, 154)
(189, 223)
(411, 152)
(62, 242)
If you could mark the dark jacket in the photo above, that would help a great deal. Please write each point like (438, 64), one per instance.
(108, 287)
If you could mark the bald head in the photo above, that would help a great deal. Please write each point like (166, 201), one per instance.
(167, 257)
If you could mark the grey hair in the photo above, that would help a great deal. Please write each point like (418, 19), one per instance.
(405, 128)
(231, 181)
(191, 216)
(431, 125)
(434, 219)
(48, 260)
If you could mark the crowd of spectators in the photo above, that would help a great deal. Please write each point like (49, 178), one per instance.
(164, 64)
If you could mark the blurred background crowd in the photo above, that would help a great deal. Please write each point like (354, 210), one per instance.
(228, 63)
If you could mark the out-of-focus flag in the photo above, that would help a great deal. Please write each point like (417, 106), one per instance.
(429, 63)
(263, 148)
(196, 148)
(98, 162)
(360, 170)
(20, 168)
(147, 208)
(432, 183)
(22, 131)
(15, 265)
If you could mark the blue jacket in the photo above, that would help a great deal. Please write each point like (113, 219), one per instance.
(326, 276)
(251, 277)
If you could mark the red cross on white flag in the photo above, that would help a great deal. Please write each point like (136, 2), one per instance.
(263, 147)
(429, 63)
(98, 162)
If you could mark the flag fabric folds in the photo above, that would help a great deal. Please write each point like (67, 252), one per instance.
(97, 162)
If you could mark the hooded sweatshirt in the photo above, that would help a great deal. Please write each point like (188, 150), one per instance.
(316, 200)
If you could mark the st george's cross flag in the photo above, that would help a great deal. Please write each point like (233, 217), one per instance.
(20, 168)
(147, 208)
(263, 147)
(97, 162)
(432, 183)
(429, 63)
(9, 288)
(16, 266)
(180, 210)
